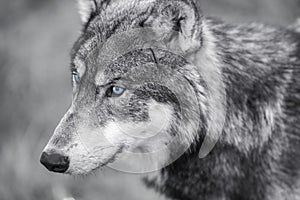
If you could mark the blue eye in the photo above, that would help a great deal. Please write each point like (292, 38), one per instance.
(118, 90)
(76, 77)
(115, 91)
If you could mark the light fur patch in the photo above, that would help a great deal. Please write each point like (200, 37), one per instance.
(146, 143)
(283, 192)
(80, 66)
(210, 68)
(129, 133)
(86, 7)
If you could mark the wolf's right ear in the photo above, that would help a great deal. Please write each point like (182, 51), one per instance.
(89, 7)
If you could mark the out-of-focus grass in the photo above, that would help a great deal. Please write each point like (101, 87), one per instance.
(35, 91)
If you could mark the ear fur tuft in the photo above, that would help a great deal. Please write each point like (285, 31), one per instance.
(182, 17)
(86, 8)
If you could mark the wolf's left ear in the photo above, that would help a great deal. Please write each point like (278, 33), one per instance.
(89, 7)
(179, 21)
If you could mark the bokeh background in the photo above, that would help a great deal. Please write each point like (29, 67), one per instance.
(35, 91)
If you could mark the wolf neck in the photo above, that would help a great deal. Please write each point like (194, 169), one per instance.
(250, 121)
(238, 91)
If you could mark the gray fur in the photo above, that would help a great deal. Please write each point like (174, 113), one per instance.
(257, 156)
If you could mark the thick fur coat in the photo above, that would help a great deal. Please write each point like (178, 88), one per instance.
(258, 154)
(247, 84)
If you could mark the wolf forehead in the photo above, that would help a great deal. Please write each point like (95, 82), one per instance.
(111, 17)
(138, 65)
(137, 61)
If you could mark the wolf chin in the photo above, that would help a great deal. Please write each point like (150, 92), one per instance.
(238, 85)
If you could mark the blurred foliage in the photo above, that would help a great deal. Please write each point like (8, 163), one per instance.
(36, 36)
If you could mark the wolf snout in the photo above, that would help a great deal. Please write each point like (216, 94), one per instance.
(55, 162)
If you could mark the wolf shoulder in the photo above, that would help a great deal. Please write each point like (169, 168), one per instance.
(266, 57)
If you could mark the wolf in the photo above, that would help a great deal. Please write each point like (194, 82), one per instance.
(231, 88)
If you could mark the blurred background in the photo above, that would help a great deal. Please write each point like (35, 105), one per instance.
(35, 39)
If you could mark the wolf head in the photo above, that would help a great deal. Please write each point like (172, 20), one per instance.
(134, 93)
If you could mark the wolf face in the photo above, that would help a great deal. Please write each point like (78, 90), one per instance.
(133, 106)
(132, 100)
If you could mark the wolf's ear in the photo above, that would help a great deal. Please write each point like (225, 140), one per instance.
(88, 7)
(180, 21)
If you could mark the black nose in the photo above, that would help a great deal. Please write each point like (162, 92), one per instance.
(55, 162)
